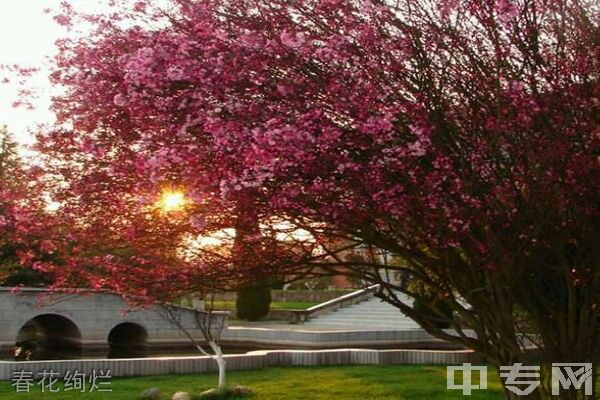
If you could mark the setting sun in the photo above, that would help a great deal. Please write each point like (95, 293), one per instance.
(172, 201)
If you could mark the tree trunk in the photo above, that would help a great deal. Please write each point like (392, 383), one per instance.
(220, 362)
(247, 230)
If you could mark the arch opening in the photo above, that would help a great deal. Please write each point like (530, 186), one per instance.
(48, 337)
(127, 340)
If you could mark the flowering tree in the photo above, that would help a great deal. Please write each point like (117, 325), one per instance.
(23, 238)
(460, 136)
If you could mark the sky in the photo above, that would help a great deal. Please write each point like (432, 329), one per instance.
(27, 37)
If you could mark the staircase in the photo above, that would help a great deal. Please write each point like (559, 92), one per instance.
(371, 314)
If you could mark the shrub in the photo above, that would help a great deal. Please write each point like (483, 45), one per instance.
(253, 304)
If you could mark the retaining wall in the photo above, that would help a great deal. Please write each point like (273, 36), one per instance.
(251, 360)
(312, 339)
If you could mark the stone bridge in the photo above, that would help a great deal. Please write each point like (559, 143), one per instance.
(38, 324)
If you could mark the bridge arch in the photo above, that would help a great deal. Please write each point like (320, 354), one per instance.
(127, 340)
(48, 337)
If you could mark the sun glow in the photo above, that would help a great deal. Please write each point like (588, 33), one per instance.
(172, 201)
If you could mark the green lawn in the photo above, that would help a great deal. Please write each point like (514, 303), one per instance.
(290, 383)
(275, 305)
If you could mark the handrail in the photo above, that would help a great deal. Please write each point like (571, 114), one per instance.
(333, 304)
(343, 298)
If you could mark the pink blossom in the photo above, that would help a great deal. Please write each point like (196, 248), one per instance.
(64, 20)
(120, 100)
(140, 6)
(507, 8)
(175, 73)
(417, 149)
(198, 222)
(293, 40)
(285, 90)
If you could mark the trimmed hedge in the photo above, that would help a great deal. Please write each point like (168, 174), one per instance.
(253, 304)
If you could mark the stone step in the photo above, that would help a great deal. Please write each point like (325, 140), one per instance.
(371, 308)
(373, 305)
(364, 322)
(372, 314)
(369, 327)
(359, 315)
(352, 311)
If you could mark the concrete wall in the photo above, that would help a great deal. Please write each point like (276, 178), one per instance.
(252, 360)
(322, 339)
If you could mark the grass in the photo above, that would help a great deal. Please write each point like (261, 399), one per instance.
(292, 383)
(275, 305)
